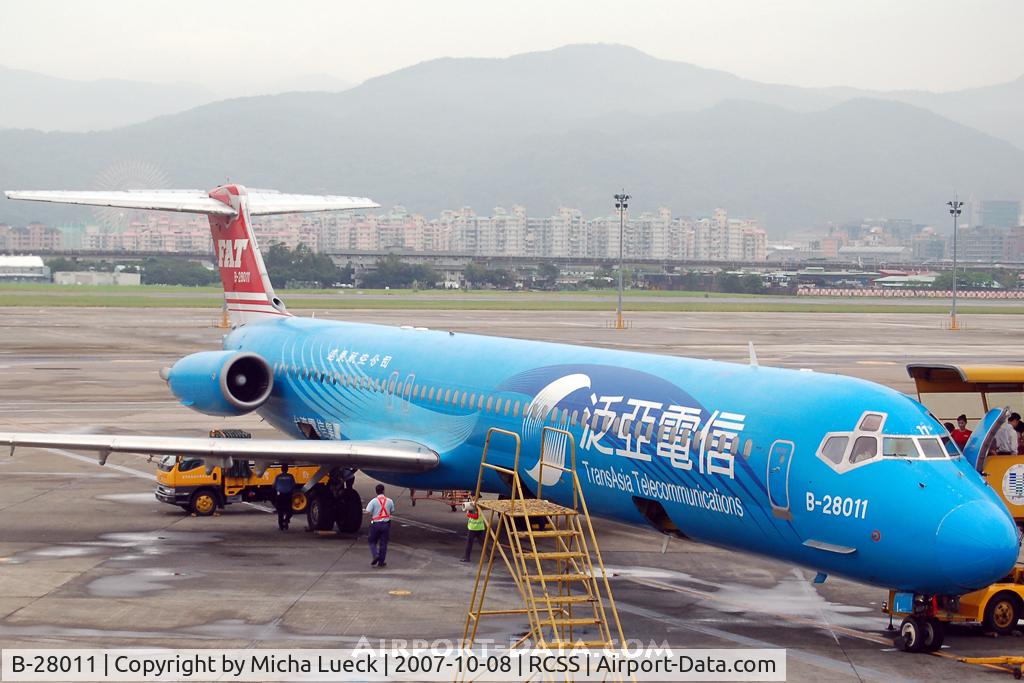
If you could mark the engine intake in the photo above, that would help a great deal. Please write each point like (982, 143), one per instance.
(221, 383)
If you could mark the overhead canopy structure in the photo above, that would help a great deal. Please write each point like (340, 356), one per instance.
(992, 385)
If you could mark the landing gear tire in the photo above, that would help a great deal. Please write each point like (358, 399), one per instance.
(203, 503)
(912, 632)
(1002, 613)
(349, 511)
(318, 512)
(934, 635)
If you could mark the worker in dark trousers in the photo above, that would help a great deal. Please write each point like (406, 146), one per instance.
(380, 510)
(474, 528)
(284, 487)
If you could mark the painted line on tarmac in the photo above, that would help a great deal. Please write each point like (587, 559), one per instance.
(422, 525)
(148, 476)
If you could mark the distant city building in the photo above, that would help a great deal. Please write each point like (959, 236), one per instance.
(90, 278)
(36, 237)
(23, 268)
(998, 214)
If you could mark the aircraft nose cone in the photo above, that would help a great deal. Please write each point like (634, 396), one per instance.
(976, 544)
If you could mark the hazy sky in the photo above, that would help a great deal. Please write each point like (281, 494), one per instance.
(237, 45)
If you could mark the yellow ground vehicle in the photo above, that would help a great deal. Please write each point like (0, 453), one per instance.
(949, 390)
(997, 607)
(184, 482)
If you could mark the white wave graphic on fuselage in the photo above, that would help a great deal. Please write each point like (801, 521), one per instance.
(533, 426)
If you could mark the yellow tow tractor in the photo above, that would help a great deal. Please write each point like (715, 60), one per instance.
(982, 394)
(184, 481)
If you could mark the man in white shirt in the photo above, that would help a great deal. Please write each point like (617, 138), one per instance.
(1006, 437)
(380, 510)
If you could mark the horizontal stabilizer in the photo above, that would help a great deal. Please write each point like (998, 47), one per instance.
(260, 202)
(382, 454)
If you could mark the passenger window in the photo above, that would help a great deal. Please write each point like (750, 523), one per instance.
(490, 403)
(864, 448)
(447, 395)
(431, 396)
(508, 406)
(931, 447)
(835, 448)
(747, 445)
(872, 422)
(400, 389)
(465, 396)
(899, 447)
(515, 409)
(497, 406)
(565, 416)
(415, 391)
(572, 419)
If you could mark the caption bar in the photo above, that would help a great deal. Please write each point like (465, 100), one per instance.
(396, 664)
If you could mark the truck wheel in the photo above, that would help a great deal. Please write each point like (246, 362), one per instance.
(349, 508)
(1002, 613)
(912, 632)
(203, 503)
(318, 512)
(934, 635)
(299, 501)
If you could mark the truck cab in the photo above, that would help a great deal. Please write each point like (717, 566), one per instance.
(185, 482)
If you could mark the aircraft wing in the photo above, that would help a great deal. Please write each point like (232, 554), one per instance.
(260, 202)
(383, 454)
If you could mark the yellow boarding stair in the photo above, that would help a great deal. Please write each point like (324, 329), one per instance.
(552, 554)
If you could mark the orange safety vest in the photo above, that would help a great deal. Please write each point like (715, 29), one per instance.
(383, 515)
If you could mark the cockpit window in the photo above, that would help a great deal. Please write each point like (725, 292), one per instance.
(864, 448)
(834, 448)
(899, 447)
(871, 422)
(951, 448)
(931, 447)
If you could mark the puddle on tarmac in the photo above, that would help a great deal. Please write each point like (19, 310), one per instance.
(792, 595)
(137, 583)
(138, 544)
(53, 552)
(133, 498)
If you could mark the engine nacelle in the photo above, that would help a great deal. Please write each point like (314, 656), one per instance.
(221, 383)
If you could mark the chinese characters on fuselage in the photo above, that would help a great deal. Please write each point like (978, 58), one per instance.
(648, 429)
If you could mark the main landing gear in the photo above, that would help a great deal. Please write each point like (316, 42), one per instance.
(336, 504)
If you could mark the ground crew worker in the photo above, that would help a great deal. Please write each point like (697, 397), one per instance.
(284, 487)
(380, 510)
(474, 528)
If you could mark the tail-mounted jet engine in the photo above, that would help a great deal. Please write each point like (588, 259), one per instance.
(223, 383)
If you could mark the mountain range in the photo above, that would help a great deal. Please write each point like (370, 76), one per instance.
(569, 127)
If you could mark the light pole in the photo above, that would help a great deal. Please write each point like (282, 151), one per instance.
(621, 204)
(954, 211)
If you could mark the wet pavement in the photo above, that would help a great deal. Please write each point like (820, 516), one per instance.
(89, 558)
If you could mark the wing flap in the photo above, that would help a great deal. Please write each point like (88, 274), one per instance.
(382, 454)
(185, 201)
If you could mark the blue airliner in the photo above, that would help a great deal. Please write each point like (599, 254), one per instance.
(837, 474)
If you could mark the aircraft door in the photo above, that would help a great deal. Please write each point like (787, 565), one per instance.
(977, 447)
(780, 458)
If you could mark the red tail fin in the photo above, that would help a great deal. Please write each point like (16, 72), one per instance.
(248, 292)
